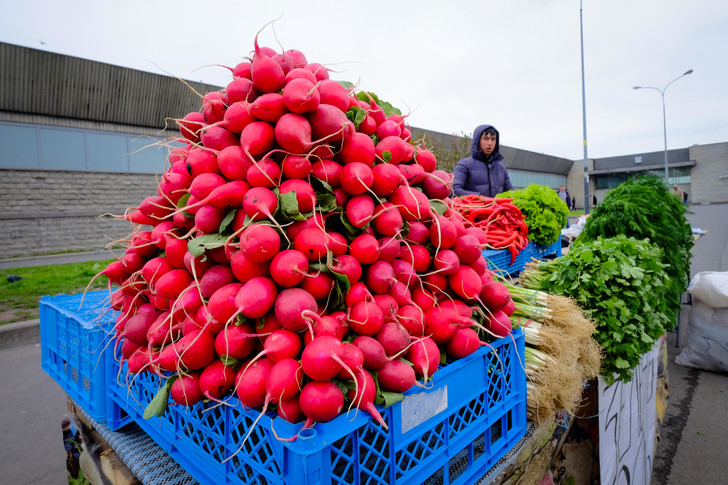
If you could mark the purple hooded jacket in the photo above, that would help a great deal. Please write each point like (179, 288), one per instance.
(479, 174)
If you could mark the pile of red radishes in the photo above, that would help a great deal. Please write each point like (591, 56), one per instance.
(300, 243)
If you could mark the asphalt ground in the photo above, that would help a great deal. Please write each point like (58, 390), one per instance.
(692, 446)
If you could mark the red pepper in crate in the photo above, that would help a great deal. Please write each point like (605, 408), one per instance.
(501, 221)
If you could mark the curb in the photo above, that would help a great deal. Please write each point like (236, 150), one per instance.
(19, 333)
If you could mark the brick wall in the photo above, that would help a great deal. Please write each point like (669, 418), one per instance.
(709, 176)
(49, 211)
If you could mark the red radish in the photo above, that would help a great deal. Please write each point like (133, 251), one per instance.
(412, 173)
(209, 218)
(213, 107)
(284, 381)
(320, 402)
(499, 323)
(190, 125)
(388, 128)
(321, 358)
(256, 297)
(360, 210)
(386, 178)
(318, 70)
(250, 382)
(365, 248)
(372, 350)
(412, 204)
(389, 248)
(495, 295)
(418, 233)
(291, 306)
(171, 284)
(156, 208)
(466, 283)
(363, 397)
(305, 195)
(311, 241)
(201, 161)
(217, 137)
(296, 167)
(153, 269)
(216, 380)
(257, 138)
(348, 266)
(337, 244)
(222, 306)
(391, 149)
(401, 293)
(468, 249)
(163, 330)
(412, 318)
(353, 357)
(416, 255)
(136, 327)
(267, 75)
(396, 376)
(328, 171)
(425, 357)
(260, 242)
(298, 59)
(388, 305)
(240, 89)
(244, 269)
(236, 341)
(290, 410)
(441, 322)
(509, 308)
(268, 107)
(365, 318)
(264, 173)
(328, 123)
(293, 133)
(334, 93)
(404, 272)
(193, 351)
(358, 148)
(387, 219)
(185, 389)
(443, 233)
(446, 262)
(319, 285)
(289, 267)
(427, 159)
(357, 292)
(438, 185)
(463, 343)
(393, 337)
(260, 203)
(356, 178)
(173, 186)
(301, 96)
(380, 277)
(300, 73)
(197, 265)
(238, 116)
(140, 360)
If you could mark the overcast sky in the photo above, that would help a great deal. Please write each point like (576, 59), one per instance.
(451, 65)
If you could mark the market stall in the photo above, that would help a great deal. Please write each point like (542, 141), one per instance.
(303, 302)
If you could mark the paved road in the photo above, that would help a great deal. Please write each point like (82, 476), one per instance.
(692, 448)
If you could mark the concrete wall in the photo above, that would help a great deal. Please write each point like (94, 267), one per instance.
(709, 176)
(52, 211)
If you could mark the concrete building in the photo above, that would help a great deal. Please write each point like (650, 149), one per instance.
(83, 141)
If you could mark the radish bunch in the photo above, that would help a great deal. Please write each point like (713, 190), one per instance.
(300, 243)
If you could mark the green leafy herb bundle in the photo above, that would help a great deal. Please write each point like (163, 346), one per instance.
(642, 207)
(620, 283)
(544, 211)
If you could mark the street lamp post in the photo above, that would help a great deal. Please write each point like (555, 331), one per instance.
(664, 121)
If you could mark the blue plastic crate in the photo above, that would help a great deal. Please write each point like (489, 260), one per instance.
(452, 433)
(540, 252)
(500, 260)
(75, 337)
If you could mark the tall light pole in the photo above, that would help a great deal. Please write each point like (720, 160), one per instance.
(664, 121)
(583, 110)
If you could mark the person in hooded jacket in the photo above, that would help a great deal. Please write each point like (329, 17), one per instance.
(483, 171)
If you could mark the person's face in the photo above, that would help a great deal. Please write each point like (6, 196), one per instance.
(487, 143)
(562, 188)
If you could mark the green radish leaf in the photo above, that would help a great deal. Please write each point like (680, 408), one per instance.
(438, 206)
(289, 206)
(158, 405)
(227, 220)
(390, 398)
(325, 198)
(356, 115)
(182, 202)
(346, 84)
(200, 244)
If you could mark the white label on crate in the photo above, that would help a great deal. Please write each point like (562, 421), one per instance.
(418, 408)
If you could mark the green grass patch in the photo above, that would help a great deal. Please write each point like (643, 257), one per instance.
(19, 300)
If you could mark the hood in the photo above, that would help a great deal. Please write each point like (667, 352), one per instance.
(475, 150)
